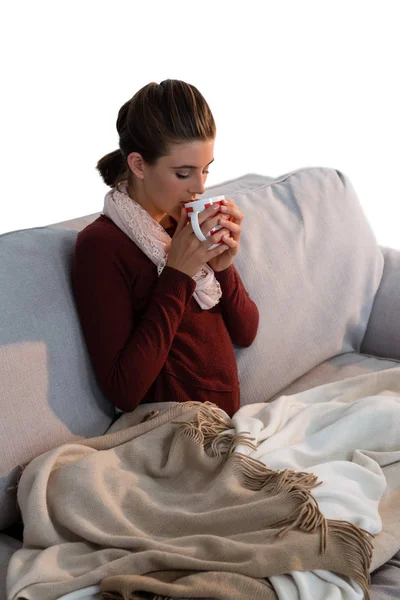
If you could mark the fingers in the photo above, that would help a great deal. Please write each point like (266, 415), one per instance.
(182, 221)
(208, 213)
(230, 242)
(232, 211)
(227, 217)
(230, 225)
(210, 223)
(217, 251)
(222, 215)
(217, 238)
(219, 235)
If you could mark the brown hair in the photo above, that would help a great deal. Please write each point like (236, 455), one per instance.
(157, 116)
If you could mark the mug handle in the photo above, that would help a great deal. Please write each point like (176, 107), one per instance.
(194, 220)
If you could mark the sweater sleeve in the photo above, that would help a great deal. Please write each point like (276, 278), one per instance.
(127, 353)
(239, 311)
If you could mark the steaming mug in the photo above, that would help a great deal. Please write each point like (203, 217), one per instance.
(196, 207)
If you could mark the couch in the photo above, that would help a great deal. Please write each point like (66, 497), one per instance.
(327, 293)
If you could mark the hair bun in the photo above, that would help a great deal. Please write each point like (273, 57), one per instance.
(123, 116)
(111, 166)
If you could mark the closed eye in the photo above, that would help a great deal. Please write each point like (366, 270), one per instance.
(180, 176)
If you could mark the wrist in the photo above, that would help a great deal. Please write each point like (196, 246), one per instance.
(223, 269)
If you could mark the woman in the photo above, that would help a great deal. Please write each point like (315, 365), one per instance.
(159, 311)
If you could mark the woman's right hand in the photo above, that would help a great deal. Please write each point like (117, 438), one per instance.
(187, 253)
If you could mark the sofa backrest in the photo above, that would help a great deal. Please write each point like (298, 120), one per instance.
(311, 262)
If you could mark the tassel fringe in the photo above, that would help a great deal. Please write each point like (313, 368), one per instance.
(210, 428)
(357, 546)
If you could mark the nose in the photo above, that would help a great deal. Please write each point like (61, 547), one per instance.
(197, 187)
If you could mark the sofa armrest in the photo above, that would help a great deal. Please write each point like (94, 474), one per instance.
(382, 337)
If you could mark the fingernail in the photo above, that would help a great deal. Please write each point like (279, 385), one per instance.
(224, 209)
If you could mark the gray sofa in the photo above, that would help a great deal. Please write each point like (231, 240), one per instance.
(329, 301)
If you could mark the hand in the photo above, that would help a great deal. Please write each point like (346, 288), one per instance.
(229, 210)
(187, 253)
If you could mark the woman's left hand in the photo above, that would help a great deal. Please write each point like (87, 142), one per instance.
(230, 211)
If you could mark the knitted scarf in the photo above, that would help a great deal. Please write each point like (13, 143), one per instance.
(154, 241)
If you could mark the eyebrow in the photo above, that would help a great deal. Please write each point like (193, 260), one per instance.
(191, 166)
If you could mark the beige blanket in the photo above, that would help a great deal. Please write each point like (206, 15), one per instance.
(165, 508)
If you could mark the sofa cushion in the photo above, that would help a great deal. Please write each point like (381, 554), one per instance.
(48, 394)
(310, 261)
(382, 337)
(338, 368)
(385, 581)
(8, 546)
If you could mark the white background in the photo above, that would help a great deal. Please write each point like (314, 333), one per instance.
(290, 83)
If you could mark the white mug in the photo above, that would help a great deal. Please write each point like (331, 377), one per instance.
(196, 207)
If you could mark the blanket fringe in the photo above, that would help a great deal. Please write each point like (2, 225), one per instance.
(358, 547)
(256, 476)
(210, 429)
(356, 543)
(210, 426)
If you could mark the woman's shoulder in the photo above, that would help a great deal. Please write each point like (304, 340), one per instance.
(101, 229)
(103, 236)
(102, 243)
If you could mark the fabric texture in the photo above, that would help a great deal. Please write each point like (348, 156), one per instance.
(154, 241)
(172, 506)
(197, 513)
(355, 423)
(347, 434)
(338, 368)
(8, 546)
(148, 339)
(382, 337)
(385, 585)
(48, 392)
(311, 262)
(385, 581)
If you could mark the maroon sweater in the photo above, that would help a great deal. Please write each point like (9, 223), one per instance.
(148, 339)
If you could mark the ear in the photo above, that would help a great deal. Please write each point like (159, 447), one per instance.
(136, 164)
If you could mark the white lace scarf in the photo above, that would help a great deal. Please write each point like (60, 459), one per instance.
(154, 241)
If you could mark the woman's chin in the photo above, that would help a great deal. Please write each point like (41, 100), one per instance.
(168, 221)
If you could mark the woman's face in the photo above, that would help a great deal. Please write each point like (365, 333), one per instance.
(177, 178)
